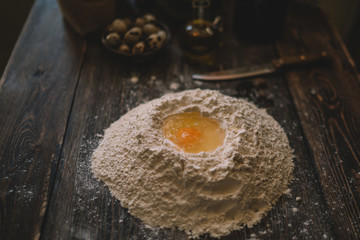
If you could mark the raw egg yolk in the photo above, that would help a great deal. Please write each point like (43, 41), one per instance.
(188, 135)
(193, 133)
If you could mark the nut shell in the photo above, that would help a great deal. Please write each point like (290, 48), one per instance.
(149, 17)
(124, 48)
(118, 25)
(133, 35)
(140, 22)
(138, 48)
(154, 42)
(162, 34)
(113, 39)
(150, 28)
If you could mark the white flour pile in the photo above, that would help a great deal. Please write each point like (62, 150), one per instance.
(200, 193)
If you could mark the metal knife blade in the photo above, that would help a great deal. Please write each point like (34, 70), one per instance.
(268, 68)
(236, 73)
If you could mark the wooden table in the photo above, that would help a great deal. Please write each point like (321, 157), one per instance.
(60, 91)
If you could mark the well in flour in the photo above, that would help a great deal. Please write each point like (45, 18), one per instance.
(192, 132)
(212, 192)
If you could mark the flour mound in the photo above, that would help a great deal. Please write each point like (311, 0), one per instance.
(200, 193)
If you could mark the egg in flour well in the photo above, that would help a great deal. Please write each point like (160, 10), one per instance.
(193, 133)
(197, 161)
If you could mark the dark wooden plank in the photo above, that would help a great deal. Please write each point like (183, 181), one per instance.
(290, 219)
(83, 208)
(327, 100)
(36, 94)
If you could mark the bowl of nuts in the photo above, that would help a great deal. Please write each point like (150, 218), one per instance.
(136, 39)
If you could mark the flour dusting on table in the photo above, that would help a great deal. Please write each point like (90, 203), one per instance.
(208, 192)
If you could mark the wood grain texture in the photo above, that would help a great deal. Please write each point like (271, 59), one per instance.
(59, 93)
(327, 101)
(82, 208)
(36, 93)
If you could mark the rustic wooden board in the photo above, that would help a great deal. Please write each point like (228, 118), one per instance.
(36, 93)
(56, 100)
(83, 208)
(327, 101)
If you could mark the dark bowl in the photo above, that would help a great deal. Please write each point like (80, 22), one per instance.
(143, 56)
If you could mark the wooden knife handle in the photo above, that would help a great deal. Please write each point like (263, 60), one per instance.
(301, 60)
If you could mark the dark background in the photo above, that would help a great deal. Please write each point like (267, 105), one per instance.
(345, 16)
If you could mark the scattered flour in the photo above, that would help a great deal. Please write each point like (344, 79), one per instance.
(174, 86)
(134, 79)
(200, 193)
(294, 210)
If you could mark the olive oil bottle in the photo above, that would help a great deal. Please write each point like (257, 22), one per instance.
(199, 36)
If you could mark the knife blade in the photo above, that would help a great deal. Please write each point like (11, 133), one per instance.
(263, 69)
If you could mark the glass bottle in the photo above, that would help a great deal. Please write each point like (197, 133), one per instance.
(199, 36)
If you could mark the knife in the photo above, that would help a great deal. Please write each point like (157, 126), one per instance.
(267, 68)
